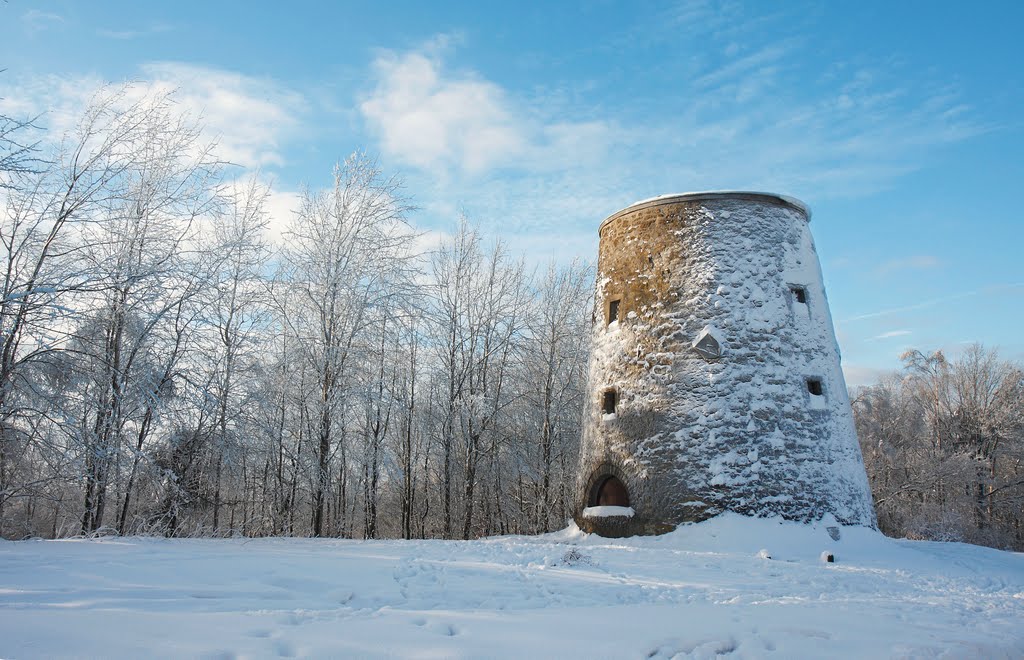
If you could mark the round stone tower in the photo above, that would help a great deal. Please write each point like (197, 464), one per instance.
(714, 381)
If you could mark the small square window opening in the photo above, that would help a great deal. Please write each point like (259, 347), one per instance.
(608, 401)
(814, 386)
(800, 294)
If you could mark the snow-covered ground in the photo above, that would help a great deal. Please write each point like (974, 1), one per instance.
(704, 590)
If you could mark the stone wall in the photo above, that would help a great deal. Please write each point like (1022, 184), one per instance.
(733, 424)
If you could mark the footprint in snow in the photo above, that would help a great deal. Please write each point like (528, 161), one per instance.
(343, 597)
(284, 649)
(446, 629)
(297, 618)
(260, 633)
(708, 648)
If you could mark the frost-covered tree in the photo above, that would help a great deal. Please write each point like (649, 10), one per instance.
(478, 318)
(129, 165)
(19, 150)
(144, 276)
(943, 443)
(155, 379)
(348, 255)
(237, 313)
(556, 359)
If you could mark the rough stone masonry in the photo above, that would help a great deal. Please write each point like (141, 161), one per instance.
(714, 380)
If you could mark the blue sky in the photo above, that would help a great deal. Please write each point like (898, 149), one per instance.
(900, 124)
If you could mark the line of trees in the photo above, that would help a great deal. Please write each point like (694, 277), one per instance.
(943, 443)
(165, 370)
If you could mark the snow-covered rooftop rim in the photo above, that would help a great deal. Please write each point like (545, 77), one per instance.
(674, 198)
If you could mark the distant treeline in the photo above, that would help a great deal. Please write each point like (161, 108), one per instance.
(943, 443)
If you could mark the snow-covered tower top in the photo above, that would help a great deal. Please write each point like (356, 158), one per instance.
(710, 195)
(714, 377)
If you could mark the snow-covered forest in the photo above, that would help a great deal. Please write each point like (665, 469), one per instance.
(943, 444)
(167, 369)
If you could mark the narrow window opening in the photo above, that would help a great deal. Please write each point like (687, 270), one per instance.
(609, 401)
(613, 311)
(800, 294)
(814, 386)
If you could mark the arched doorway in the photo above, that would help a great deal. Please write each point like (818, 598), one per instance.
(609, 491)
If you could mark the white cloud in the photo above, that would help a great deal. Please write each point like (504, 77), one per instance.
(513, 164)
(251, 118)
(281, 207)
(458, 123)
(56, 101)
(428, 120)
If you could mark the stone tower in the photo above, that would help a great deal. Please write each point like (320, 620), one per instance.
(714, 381)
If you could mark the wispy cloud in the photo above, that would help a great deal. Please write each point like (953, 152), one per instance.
(129, 34)
(57, 100)
(892, 333)
(740, 71)
(750, 119)
(995, 288)
(743, 119)
(915, 262)
(36, 20)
